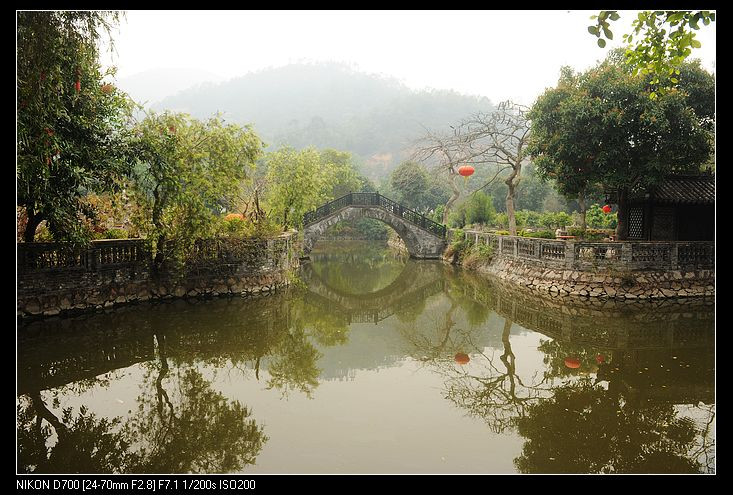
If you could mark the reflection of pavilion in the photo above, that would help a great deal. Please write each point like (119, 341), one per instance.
(416, 282)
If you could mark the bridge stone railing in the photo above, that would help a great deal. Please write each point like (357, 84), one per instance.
(376, 199)
(619, 255)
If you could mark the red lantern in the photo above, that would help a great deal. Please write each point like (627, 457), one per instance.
(466, 170)
(572, 363)
(600, 358)
(606, 209)
(77, 85)
(462, 358)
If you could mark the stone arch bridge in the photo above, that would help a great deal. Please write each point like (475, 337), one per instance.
(424, 238)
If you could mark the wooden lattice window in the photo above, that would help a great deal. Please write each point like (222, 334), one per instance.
(636, 222)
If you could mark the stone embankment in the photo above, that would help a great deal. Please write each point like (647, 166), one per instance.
(52, 281)
(618, 270)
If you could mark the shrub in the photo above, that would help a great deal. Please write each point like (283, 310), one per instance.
(115, 234)
(542, 234)
(477, 254)
(234, 225)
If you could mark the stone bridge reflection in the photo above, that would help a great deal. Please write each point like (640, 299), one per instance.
(640, 336)
(416, 282)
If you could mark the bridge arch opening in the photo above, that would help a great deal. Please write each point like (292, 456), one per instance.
(424, 238)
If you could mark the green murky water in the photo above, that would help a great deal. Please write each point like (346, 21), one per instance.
(378, 364)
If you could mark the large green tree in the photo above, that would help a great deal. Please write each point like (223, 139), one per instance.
(600, 128)
(300, 181)
(71, 124)
(187, 173)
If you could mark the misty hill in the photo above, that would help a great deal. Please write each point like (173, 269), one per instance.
(151, 86)
(329, 105)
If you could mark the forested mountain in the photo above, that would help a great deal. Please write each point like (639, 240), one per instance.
(151, 86)
(330, 106)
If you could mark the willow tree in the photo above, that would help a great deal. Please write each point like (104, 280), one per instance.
(71, 124)
(601, 128)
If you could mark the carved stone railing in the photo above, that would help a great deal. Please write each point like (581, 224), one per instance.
(51, 256)
(618, 255)
(375, 199)
(110, 254)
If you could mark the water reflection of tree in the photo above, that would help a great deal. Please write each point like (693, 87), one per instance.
(496, 393)
(584, 428)
(570, 423)
(84, 442)
(490, 387)
(183, 425)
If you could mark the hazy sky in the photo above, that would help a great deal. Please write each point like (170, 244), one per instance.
(499, 54)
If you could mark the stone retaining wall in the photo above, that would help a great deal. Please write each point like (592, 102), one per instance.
(603, 283)
(620, 270)
(51, 282)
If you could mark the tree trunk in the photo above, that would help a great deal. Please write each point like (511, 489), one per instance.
(622, 228)
(157, 223)
(511, 183)
(34, 220)
(510, 208)
(454, 197)
(583, 209)
(45, 413)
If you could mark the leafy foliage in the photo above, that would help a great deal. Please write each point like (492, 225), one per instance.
(416, 188)
(600, 128)
(477, 209)
(664, 39)
(300, 181)
(71, 124)
(188, 172)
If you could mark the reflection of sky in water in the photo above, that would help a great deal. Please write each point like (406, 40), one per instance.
(389, 397)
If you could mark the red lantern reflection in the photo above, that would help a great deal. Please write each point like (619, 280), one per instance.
(462, 358)
(572, 363)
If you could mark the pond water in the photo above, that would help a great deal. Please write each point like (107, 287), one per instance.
(375, 363)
